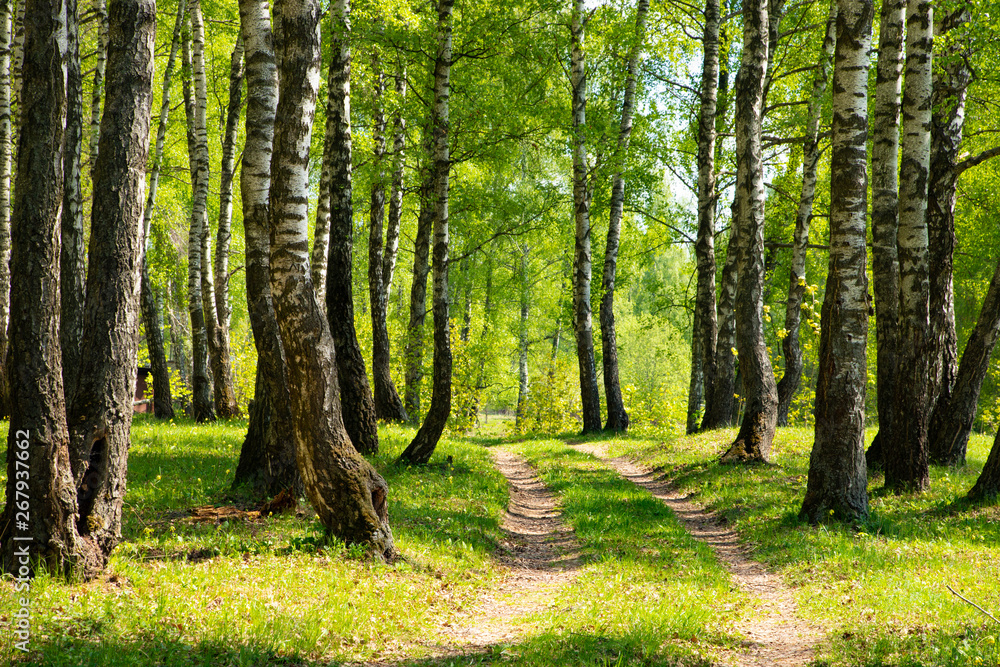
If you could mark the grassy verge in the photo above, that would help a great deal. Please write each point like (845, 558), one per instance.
(267, 591)
(879, 589)
(649, 594)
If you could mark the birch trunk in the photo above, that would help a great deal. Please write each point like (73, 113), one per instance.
(76, 487)
(753, 443)
(905, 451)
(719, 409)
(396, 192)
(705, 337)
(950, 84)
(790, 379)
(6, 136)
(523, 386)
(422, 446)
(224, 231)
(100, 415)
(97, 90)
(163, 406)
(218, 344)
(838, 477)
(355, 392)
(268, 457)
(388, 405)
(885, 215)
(951, 422)
(413, 353)
(696, 380)
(38, 435)
(349, 496)
(582, 323)
(72, 255)
(617, 416)
(987, 486)
(201, 399)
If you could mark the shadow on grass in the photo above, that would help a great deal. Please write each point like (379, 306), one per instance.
(165, 651)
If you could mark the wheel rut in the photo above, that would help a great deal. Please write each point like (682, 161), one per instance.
(776, 635)
(541, 555)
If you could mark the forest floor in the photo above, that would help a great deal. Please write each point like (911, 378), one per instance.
(777, 634)
(608, 551)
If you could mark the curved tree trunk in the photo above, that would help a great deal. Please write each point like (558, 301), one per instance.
(267, 458)
(6, 149)
(582, 322)
(753, 443)
(617, 416)
(100, 415)
(201, 398)
(838, 478)
(72, 255)
(422, 446)
(885, 215)
(163, 406)
(905, 451)
(790, 379)
(355, 392)
(349, 496)
(951, 421)
(706, 333)
(950, 83)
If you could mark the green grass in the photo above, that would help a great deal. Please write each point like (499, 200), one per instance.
(274, 592)
(878, 589)
(270, 591)
(649, 594)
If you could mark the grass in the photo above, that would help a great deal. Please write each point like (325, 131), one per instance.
(268, 591)
(878, 589)
(649, 594)
(274, 592)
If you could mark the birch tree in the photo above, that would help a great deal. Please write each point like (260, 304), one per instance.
(422, 446)
(77, 477)
(905, 451)
(162, 402)
(97, 89)
(705, 331)
(885, 214)
(355, 392)
(617, 416)
(201, 399)
(6, 136)
(790, 379)
(349, 496)
(72, 254)
(582, 321)
(224, 230)
(953, 416)
(381, 258)
(267, 460)
(950, 82)
(753, 442)
(838, 476)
